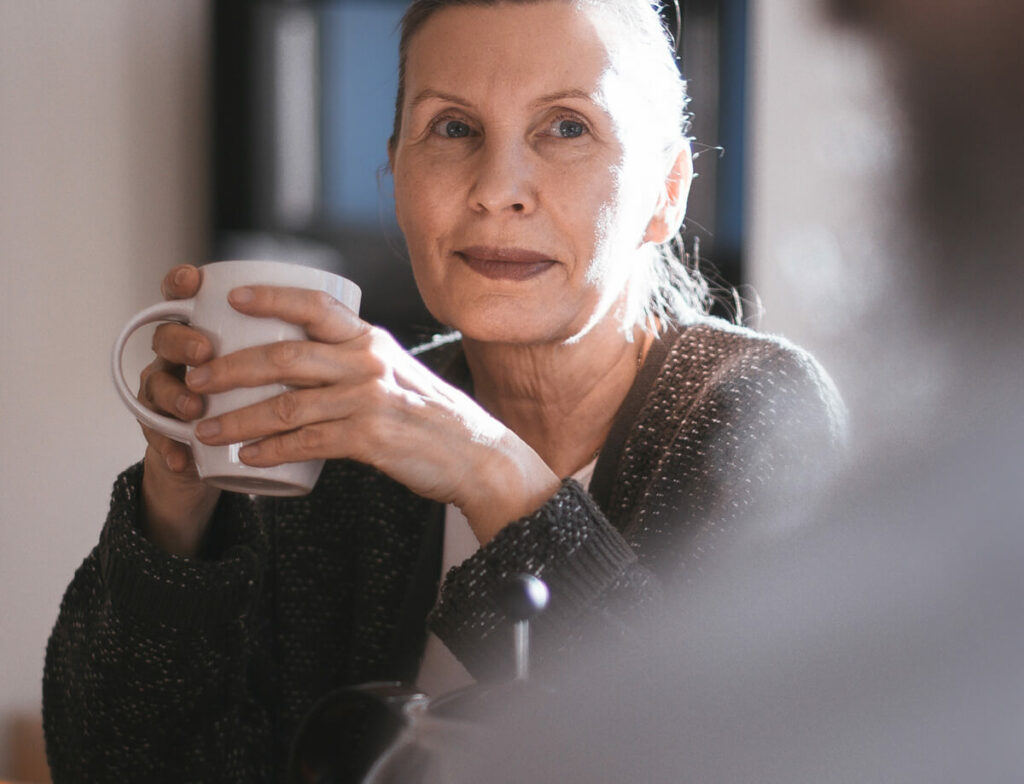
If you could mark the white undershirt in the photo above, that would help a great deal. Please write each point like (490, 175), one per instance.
(440, 672)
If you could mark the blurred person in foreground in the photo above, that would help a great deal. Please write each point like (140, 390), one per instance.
(885, 642)
(593, 425)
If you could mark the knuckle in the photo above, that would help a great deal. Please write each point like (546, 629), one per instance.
(375, 361)
(162, 447)
(323, 301)
(322, 310)
(310, 439)
(166, 448)
(177, 343)
(287, 408)
(149, 387)
(285, 354)
(160, 335)
(379, 393)
(379, 340)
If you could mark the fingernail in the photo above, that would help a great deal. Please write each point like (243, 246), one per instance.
(240, 296)
(208, 428)
(194, 347)
(180, 277)
(181, 404)
(249, 452)
(197, 377)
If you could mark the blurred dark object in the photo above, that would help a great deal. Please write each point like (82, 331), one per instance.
(957, 69)
(345, 733)
(302, 105)
(390, 733)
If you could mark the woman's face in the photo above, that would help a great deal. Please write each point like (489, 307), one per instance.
(522, 206)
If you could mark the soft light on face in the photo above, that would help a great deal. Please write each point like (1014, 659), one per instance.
(522, 205)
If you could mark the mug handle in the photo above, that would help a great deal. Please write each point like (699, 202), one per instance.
(174, 310)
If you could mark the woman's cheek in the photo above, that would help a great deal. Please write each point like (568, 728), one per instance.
(431, 181)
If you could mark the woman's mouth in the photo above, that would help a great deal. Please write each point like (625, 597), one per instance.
(505, 263)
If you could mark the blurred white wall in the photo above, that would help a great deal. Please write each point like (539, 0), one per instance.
(825, 144)
(102, 188)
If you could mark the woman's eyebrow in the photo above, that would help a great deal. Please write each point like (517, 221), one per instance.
(561, 95)
(431, 94)
(596, 100)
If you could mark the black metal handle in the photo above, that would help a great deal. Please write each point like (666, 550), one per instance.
(525, 597)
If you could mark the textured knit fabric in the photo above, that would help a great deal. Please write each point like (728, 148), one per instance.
(440, 671)
(162, 668)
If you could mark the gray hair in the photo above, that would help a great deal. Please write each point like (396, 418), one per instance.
(668, 290)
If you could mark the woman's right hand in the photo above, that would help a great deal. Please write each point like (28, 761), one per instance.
(177, 505)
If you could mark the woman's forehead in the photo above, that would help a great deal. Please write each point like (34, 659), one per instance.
(521, 51)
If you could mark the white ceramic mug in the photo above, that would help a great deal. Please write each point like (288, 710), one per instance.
(229, 331)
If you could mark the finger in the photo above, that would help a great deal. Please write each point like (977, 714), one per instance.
(181, 345)
(165, 393)
(313, 442)
(293, 363)
(318, 313)
(176, 457)
(285, 412)
(181, 282)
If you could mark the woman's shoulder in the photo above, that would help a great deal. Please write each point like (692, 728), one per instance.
(719, 340)
(713, 347)
(717, 357)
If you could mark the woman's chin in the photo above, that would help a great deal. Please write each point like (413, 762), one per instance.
(524, 330)
(519, 334)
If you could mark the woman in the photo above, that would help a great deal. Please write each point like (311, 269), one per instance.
(539, 162)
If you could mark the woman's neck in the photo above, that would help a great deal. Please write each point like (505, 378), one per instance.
(559, 398)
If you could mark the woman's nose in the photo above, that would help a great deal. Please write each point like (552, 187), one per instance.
(504, 179)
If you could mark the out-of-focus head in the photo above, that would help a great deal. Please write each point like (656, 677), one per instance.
(962, 33)
(960, 71)
(964, 56)
(607, 191)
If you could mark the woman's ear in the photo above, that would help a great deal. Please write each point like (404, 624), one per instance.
(671, 209)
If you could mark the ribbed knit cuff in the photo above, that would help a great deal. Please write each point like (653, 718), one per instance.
(568, 544)
(166, 590)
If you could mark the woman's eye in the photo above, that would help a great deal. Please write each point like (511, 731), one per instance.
(568, 129)
(452, 129)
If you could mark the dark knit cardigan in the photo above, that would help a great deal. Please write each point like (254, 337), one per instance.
(163, 668)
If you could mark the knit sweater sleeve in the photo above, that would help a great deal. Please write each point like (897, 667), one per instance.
(153, 658)
(587, 565)
(734, 427)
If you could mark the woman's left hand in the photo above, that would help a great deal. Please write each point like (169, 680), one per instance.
(358, 395)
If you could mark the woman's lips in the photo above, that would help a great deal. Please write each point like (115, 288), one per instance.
(505, 263)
